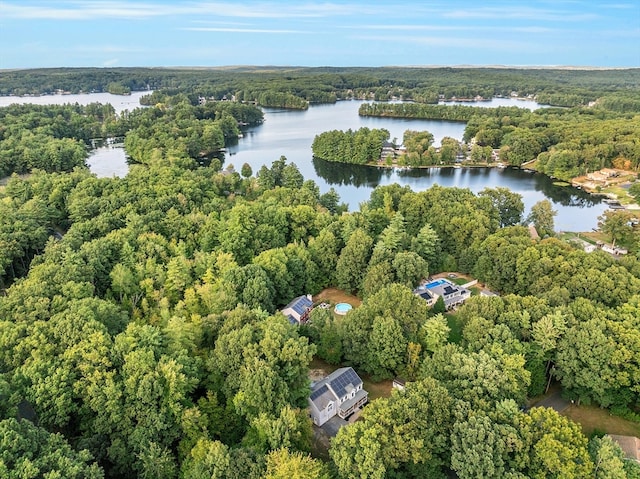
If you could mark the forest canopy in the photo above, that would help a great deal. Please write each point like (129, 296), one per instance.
(140, 326)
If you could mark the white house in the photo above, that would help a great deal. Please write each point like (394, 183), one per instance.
(297, 311)
(340, 394)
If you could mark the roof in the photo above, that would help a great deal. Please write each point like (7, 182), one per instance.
(336, 385)
(533, 232)
(349, 403)
(630, 445)
(322, 396)
(343, 381)
(300, 304)
(425, 295)
(449, 290)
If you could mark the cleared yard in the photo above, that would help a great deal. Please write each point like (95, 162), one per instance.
(593, 418)
(335, 296)
(381, 389)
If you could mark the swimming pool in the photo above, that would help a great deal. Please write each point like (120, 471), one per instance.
(437, 282)
(342, 308)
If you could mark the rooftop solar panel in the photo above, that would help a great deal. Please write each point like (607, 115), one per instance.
(318, 392)
(348, 377)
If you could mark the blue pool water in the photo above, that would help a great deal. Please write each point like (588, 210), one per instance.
(343, 308)
(435, 283)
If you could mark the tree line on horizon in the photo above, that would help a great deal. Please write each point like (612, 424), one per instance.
(296, 87)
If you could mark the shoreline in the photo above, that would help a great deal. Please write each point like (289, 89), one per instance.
(632, 206)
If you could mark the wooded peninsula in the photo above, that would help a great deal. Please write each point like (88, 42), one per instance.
(149, 325)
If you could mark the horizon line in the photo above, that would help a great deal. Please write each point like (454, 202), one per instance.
(217, 67)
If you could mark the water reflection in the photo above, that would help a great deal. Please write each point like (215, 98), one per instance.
(476, 179)
(350, 174)
(290, 133)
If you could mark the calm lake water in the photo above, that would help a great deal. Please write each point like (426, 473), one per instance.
(119, 102)
(290, 133)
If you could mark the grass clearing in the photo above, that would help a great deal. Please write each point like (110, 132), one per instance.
(335, 296)
(318, 364)
(380, 389)
(594, 236)
(593, 418)
(620, 193)
(455, 325)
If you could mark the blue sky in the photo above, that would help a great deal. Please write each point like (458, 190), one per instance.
(350, 33)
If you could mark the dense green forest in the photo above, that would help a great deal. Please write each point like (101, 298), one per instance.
(145, 342)
(140, 334)
(58, 137)
(359, 147)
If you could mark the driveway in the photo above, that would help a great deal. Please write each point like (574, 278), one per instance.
(554, 401)
(333, 425)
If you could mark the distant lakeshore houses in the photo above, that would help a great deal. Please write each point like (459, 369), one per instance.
(607, 248)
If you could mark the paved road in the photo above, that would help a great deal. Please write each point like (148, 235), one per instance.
(554, 401)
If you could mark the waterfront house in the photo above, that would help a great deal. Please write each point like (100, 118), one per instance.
(533, 232)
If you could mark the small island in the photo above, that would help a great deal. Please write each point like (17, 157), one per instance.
(575, 145)
(372, 147)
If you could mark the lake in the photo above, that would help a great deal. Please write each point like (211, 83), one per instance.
(119, 102)
(290, 133)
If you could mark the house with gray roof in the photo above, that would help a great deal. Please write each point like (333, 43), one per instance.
(297, 311)
(340, 393)
(451, 293)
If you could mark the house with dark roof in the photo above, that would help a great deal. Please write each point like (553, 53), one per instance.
(425, 294)
(297, 311)
(340, 394)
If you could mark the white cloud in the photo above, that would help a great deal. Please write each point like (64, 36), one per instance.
(110, 63)
(446, 28)
(86, 10)
(622, 6)
(240, 30)
(518, 12)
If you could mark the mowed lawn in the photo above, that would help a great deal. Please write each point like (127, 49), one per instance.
(593, 418)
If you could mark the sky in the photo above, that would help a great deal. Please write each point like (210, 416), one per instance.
(580, 33)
